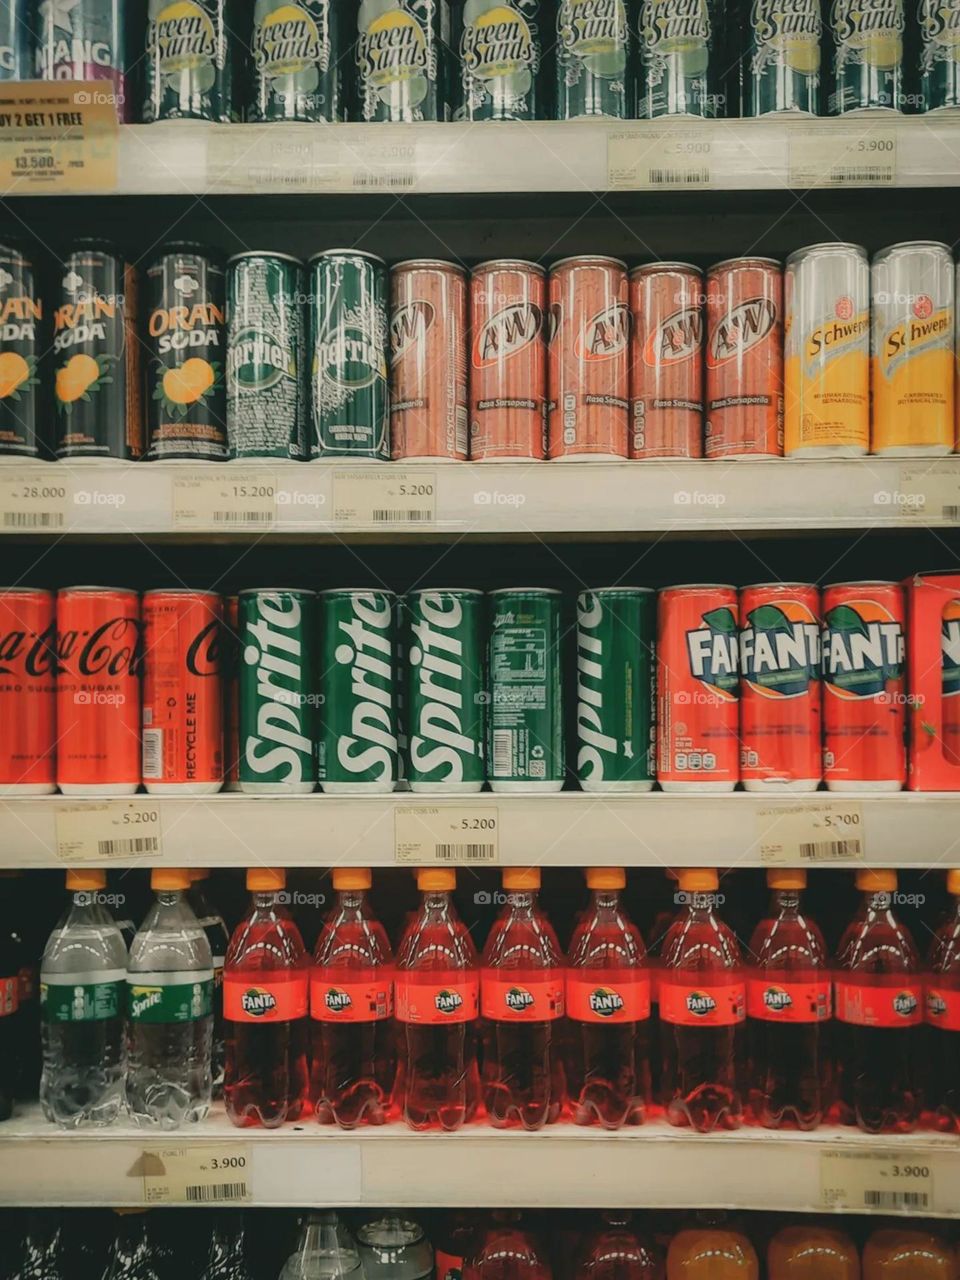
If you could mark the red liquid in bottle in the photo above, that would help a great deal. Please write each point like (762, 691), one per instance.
(617, 1252)
(943, 1013)
(507, 1251)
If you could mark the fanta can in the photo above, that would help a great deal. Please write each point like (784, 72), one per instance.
(950, 666)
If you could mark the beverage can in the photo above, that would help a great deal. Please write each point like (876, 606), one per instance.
(16, 41)
(28, 688)
(681, 66)
(939, 55)
(86, 40)
(21, 332)
(666, 366)
(595, 60)
(190, 64)
(500, 48)
(230, 663)
(781, 60)
(297, 56)
(864, 58)
(401, 52)
(950, 680)
(588, 359)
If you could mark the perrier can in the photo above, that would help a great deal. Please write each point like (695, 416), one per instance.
(781, 62)
(864, 57)
(401, 55)
(594, 59)
(681, 67)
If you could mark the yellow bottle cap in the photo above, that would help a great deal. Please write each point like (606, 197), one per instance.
(520, 878)
(698, 880)
(352, 878)
(953, 881)
(266, 879)
(606, 878)
(871, 880)
(88, 879)
(169, 878)
(787, 878)
(436, 879)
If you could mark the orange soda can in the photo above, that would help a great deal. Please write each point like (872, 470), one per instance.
(28, 692)
(950, 662)
(508, 361)
(864, 702)
(230, 668)
(697, 688)
(588, 359)
(780, 687)
(428, 370)
(666, 361)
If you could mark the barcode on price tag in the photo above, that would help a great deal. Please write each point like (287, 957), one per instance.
(643, 158)
(811, 831)
(32, 502)
(878, 1181)
(384, 495)
(108, 829)
(382, 166)
(465, 835)
(225, 500)
(256, 159)
(210, 1174)
(929, 491)
(864, 156)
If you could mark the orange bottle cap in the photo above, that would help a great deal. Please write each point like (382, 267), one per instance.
(871, 880)
(436, 879)
(520, 878)
(266, 879)
(606, 878)
(698, 880)
(199, 873)
(169, 878)
(88, 879)
(953, 881)
(352, 878)
(787, 878)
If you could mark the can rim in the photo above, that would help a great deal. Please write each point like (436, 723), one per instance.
(913, 244)
(262, 591)
(862, 582)
(830, 245)
(588, 257)
(264, 253)
(429, 262)
(666, 265)
(174, 246)
(602, 591)
(520, 591)
(117, 591)
(90, 242)
(509, 262)
(27, 591)
(355, 591)
(699, 586)
(182, 591)
(347, 253)
(743, 260)
(459, 591)
(765, 586)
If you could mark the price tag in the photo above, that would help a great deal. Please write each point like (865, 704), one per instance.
(215, 1173)
(880, 1181)
(648, 158)
(390, 165)
(465, 835)
(838, 157)
(109, 829)
(225, 500)
(58, 136)
(930, 492)
(811, 831)
(254, 159)
(384, 495)
(31, 503)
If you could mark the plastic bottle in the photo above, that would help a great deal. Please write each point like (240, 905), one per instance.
(521, 1000)
(789, 1002)
(212, 924)
(608, 1004)
(453, 1237)
(506, 1250)
(12, 1037)
(702, 1009)
(266, 978)
(902, 1253)
(943, 1013)
(617, 1252)
(83, 977)
(42, 1252)
(812, 1252)
(132, 1255)
(711, 1253)
(437, 998)
(394, 1247)
(325, 1251)
(227, 1255)
(879, 1028)
(169, 1020)
(17, 925)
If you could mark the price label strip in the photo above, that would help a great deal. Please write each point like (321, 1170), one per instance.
(382, 166)
(650, 159)
(58, 136)
(217, 1173)
(930, 492)
(431, 835)
(877, 1181)
(225, 500)
(256, 159)
(110, 829)
(32, 505)
(811, 831)
(384, 496)
(837, 157)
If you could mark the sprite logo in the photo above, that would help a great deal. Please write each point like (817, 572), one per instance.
(863, 649)
(447, 1001)
(437, 739)
(518, 999)
(258, 1002)
(595, 744)
(700, 1004)
(605, 1002)
(337, 1001)
(288, 41)
(256, 361)
(905, 1003)
(273, 647)
(712, 651)
(780, 649)
(366, 649)
(777, 1000)
(144, 998)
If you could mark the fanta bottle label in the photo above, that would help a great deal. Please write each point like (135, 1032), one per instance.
(518, 995)
(351, 995)
(265, 997)
(608, 995)
(437, 996)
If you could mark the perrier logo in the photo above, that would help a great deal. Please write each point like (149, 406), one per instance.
(712, 651)
(257, 361)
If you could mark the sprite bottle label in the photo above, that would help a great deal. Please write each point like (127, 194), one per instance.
(526, 717)
(867, 63)
(783, 67)
(501, 72)
(295, 57)
(399, 55)
(680, 71)
(189, 61)
(939, 22)
(170, 997)
(83, 997)
(594, 59)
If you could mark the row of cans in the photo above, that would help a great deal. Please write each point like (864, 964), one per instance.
(412, 60)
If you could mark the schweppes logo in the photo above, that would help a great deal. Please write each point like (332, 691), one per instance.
(780, 649)
(905, 1004)
(863, 649)
(257, 1002)
(846, 329)
(700, 1004)
(776, 999)
(289, 41)
(925, 327)
(409, 325)
(743, 327)
(605, 1002)
(676, 338)
(518, 999)
(337, 1000)
(950, 649)
(447, 1001)
(712, 651)
(605, 334)
(507, 332)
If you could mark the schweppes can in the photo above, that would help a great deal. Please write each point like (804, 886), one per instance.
(864, 58)
(827, 352)
(781, 62)
(939, 54)
(681, 69)
(912, 349)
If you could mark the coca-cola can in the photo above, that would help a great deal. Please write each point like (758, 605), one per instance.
(230, 669)
(28, 692)
(98, 691)
(182, 692)
(666, 365)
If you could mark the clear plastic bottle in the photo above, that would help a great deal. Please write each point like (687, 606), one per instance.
(943, 1013)
(812, 1251)
(394, 1247)
(83, 977)
(325, 1251)
(507, 1250)
(227, 1255)
(213, 925)
(617, 1252)
(42, 1252)
(132, 1256)
(169, 1010)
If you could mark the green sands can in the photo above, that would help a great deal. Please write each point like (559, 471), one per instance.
(401, 52)
(358, 688)
(278, 652)
(500, 47)
(349, 389)
(266, 383)
(526, 711)
(595, 59)
(190, 62)
(445, 693)
(296, 61)
(616, 627)
(864, 58)
(681, 68)
(939, 24)
(781, 62)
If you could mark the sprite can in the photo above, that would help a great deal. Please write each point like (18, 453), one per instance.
(939, 54)
(266, 390)
(277, 692)
(401, 53)
(349, 389)
(781, 63)
(358, 686)
(681, 70)
(615, 689)
(190, 62)
(296, 61)
(526, 712)
(594, 59)
(865, 59)
(445, 690)
(501, 47)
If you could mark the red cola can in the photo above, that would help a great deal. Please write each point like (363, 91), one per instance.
(230, 670)
(28, 692)
(744, 358)
(98, 691)
(589, 359)
(428, 371)
(666, 361)
(508, 361)
(182, 692)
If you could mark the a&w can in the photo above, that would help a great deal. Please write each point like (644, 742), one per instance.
(615, 688)
(666, 366)
(443, 649)
(864, 60)
(781, 64)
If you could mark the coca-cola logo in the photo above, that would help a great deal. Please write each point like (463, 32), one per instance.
(30, 652)
(112, 649)
(675, 338)
(508, 331)
(741, 328)
(203, 655)
(605, 334)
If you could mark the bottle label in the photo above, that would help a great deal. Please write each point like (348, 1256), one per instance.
(265, 996)
(179, 996)
(449, 1266)
(9, 995)
(880, 1000)
(28, 983)
(943, 1003)
(521, 995)
(437, 995)
(789, 996)
(716, 1003)
(351, 995)
(83, 997)
(608, 995)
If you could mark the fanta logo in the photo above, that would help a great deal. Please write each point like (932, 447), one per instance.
(409, 325)
(337, 1001)
(712, 651)
(498, 41)
(905, 1004)
(518, 999)
(780, 649)
(271, 644)
(605, 334)
(365, 646)
(257, 1002)
(777, 1000)
(740, 329)
(437, 739)
(288, 42)
(685, 21)
(863, 649)
(507, 332)
(447, 1001)
(950, 649)
(700, 1004)
(676, 338)
(605, 1001)
(936, 1005)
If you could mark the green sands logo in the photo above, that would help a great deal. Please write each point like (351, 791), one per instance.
(676, 26)
(257, 361)
(184, 38)
(780, 649)
(712, 651)
(863, 649)
(289, 41)
(392, 46)
(498, 43)
(595, 32)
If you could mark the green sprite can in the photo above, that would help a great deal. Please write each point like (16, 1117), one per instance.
(681, 70)
(358, 688)
(445, 691)
(501, 49)
(401, 53)
(296, 61)
(277, 692)
(865, 62)
(526, 710)
(595, 59)
(190, 62)
(266, 387)
(781, 63)
(349, 388)
(615, 689)
(939, 53)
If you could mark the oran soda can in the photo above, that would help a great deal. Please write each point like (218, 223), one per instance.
(666, 364)
(780, 687)
(950, 686)
(28, 687)
(913, 335)
(697, 688)
(588, 359)
(428, 369)
(508, 361)
(21, 335)
(864, 712)
(827, 352)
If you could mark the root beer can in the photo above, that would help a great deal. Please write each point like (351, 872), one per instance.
(428, 370)
(666, 365)
(21, 320)
(588, 359)
(744, 359)
(28, 689)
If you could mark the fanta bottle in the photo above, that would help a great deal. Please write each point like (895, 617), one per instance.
(265, 992)
(702, 1010)
(507, 1251)
(711, 1253)
(521, 999)
(437, 1002)
(789, 999)
(898, 1253)
(943, 1013)
(879, 1027)
(812, 1252)
(351, 1007)
(608, 1004)
(617, 1252)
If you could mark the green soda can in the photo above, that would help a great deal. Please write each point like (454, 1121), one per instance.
(296, 61)
(501, 49)
(445, 690)
(526, 710)
(277, 692)
(681, 61)
(401, 54)
(781, 63)
(939, 54)
(190, 63)
(595, 59)
(615, 689)
(358, 688)
(349, 388)
(266, 387)
(864, 59)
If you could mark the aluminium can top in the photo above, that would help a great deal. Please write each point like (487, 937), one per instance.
(588, 259)
(113, 591)
(506, 264)
(409, 264)
(282, 591)
(443, 591)
(357, 591)
(827, 247)
(697, 586)
(650, 268)
(264, 253)
(346, 253)
(910, 246)
(862, 582)
(745, 260)
(526, 591)
(606, 591)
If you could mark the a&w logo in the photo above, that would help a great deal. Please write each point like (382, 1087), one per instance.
(780, 649)
(863, 649)
(258, 1003)
(674, 339)
(605, 1002)
(777, 1000)
(700, 1004)
(438, 739)
(447, 1001)
(519, 999)
(272, 646)
(507, 331)
(366, 649)
(605, 334)
(337, 1001)
(409, 325)
(905, 1003)
(712, 651)
(740, 329)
